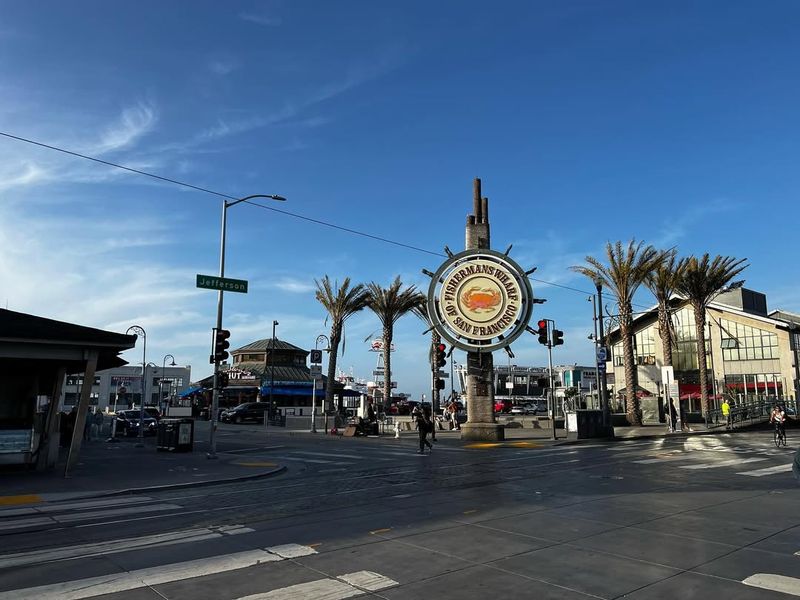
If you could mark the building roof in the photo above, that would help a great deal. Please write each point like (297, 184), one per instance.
(266, 344)
(17, 326)
(786, 316)
(23, 336)
(282, 373)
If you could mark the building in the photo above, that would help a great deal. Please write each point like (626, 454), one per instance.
(752, 354)
(121, 387)
(525, 384)
(263, 372)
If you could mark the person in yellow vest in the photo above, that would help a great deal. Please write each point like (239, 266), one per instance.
(726, 412)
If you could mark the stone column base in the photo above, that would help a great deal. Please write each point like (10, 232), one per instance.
(483, 432)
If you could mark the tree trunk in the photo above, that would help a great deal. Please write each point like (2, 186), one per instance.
(632, 410)
(336, 336)
(702, 365)
(387, 368)
(436, 339)
(665, 333)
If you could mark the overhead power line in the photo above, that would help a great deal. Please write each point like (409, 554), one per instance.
(230, 197)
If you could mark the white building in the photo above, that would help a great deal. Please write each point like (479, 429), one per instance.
(122, 386)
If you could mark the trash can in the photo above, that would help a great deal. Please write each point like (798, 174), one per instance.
(175, 435)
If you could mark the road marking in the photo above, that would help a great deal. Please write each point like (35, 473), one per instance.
(776, 583)
(71, 518)
(328, 454)
(377, 531)
(368, 580)
(321, 589)
(344, 586)
(661, 459)
(291, 550)
(722, 463)
(131, 580)
(31, 522)
(768, 471)
(255, 464)
(21, 499)
(85, 504)
(103, 548)
(310, 460)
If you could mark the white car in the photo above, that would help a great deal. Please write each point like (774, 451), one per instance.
(523, 409)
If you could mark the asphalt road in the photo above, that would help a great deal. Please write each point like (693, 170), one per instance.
(698, 517)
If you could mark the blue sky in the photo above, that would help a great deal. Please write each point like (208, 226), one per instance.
(672, 122)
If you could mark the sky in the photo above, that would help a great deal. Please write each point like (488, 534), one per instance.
(672, 122)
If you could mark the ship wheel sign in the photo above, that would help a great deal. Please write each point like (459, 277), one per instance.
(480, 300)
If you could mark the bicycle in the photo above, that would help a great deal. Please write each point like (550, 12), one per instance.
(779, 435)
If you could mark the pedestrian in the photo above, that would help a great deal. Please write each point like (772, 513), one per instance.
(87, 425)
(726, 412)
(423, 427)
(431, 419)
(452, 411)
(673, 414)
(97, 423)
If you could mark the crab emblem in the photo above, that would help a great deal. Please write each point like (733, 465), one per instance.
(479, 300)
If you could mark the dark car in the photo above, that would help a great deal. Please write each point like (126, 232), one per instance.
(250, 411)
(152, 411)
(128, 423)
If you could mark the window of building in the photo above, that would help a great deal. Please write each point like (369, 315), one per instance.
(743, 342)
(644, 346)
(684, 356)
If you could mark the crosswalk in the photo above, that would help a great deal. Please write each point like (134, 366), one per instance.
(346, 459)
(703, 453)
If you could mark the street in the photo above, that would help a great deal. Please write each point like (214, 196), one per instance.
(712, 516)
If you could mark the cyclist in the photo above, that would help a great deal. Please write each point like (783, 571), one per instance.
(779, 418)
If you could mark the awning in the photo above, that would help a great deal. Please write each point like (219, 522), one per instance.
(189, 391)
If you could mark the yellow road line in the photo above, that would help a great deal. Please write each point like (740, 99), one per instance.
(24, 499)
(469, 512)
(377, 531)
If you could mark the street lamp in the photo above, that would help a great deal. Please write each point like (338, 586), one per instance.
(320, 339)
(272, 370)
(161, 379)
(140, 331)
(215, 395)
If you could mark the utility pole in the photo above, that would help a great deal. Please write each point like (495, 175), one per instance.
(550, 374)
(603, 380)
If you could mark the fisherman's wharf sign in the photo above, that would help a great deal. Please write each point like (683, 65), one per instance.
(480, 300)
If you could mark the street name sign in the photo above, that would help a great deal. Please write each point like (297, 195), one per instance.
(316, 369)
(224, 284)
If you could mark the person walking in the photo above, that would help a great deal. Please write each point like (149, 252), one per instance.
(97, 423)
(423, 427)
(726, 412)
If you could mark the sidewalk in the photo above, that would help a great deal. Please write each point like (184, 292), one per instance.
(107, 469)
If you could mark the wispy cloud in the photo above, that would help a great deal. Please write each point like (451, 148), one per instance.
(295, 286)
(681, 222)
(134, 122)
(261, 18)
(223, 66)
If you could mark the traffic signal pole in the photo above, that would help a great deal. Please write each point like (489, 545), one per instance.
(212, 452)
(552, 381)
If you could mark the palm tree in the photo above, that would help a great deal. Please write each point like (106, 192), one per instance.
(625, 272)
(661, 282)
(700, 282)
(389, 304)
(341, 303)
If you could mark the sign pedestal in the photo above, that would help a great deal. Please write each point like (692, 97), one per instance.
(481, 424)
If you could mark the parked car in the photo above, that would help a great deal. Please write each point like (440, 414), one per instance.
(128, 423)
(523, 409)
(153, 412)
(249, 411)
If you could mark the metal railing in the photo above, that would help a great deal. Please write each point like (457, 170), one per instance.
(750, 412)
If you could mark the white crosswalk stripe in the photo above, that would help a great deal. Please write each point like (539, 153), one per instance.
(721, 463)
(787, 468)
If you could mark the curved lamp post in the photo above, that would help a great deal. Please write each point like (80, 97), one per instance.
(140, 331)
(161, 379)
(226, 204)
(319, 340)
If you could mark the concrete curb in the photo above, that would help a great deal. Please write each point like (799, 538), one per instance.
(176, 486)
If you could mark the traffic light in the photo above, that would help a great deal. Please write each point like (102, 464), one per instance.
(558, 337)
(439, 359)
(439, 384)
(542, 331)
(221, 345)
(223, 380)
